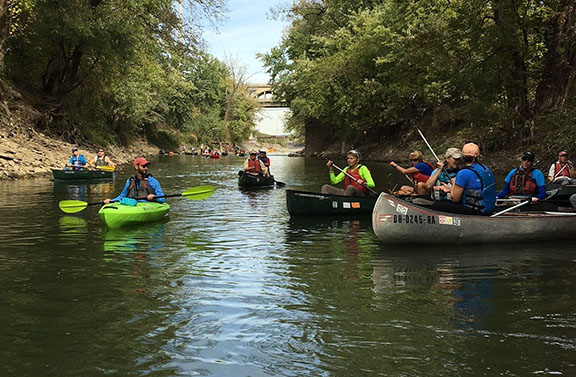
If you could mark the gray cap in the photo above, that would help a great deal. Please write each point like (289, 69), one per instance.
(453, 152)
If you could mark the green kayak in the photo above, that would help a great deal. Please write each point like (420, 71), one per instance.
(116, 215)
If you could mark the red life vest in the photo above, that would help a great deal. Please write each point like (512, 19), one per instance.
(356, 174)
(256, 164)
(419, 177)
(523, 183)
(561, 170)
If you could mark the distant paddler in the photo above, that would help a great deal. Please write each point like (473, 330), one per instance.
(420, 171)
(77, 161)
(562, 171)
(254, 166)
(101, 161)
(357, 178)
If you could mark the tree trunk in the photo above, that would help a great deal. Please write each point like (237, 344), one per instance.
(4, 29)
(559, 71)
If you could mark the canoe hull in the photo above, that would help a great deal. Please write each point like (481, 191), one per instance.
(80, 175)
(397, 221)
(302, 203)
(562, 197)
(251, 180)
(116, 215)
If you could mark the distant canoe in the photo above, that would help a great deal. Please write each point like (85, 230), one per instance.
(397, 221)
(562, 197)
(303, 203)
(80, 175)
(251, 180)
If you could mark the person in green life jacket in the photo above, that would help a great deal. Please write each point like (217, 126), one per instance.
(77, 161)
(141, 186)
(101, 159)
(352, 187)
(440, 180)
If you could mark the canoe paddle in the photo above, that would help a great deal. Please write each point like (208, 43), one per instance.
(105, 168)
(549, 195)
(194, 193)
(351, 177)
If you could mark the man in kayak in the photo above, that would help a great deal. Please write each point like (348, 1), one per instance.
(254, 166)
(474, 188)
(356, 177)
(141, 186)
(420, 171)
(562, 171)
(262, 157)
(101, 159)
(77, 161)
(525, 180)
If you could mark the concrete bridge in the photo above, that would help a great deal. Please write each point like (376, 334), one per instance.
(271, 119)
(263, 93)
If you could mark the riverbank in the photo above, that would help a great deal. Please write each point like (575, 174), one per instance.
(30, 154)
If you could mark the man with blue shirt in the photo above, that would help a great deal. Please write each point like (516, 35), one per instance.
(141, 186)
(474, 188)
(525, 180)
(77, 161)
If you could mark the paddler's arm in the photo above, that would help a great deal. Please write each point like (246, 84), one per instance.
(153, 182)
(434, 177)
(456, 193)
(410, 170)
(122, 194)
(366, 176)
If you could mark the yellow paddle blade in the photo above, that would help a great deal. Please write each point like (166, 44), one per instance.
(72, 206)
(199, 193)
(105, 168)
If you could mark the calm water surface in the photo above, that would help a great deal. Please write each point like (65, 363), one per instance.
(231, 286)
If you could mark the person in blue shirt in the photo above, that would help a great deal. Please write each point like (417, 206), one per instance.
(525, 180)
(141, 186)
(77, 161)
(474, 188)
(420, 172)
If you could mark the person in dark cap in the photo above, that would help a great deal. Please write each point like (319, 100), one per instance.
(265, 160)
(141, 186)
(525, 180)
(562, 171)
(77, 161)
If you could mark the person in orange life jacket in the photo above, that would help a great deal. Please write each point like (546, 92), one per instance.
(77, 161)
(420, 171)
(253, 165)
(262, 157)
(562, 171)
(352, 187)
(525, 180)
(141, 185)
(101, 159)
(474, 188)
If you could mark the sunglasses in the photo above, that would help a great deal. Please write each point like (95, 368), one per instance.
(527, 159)
(413, 159)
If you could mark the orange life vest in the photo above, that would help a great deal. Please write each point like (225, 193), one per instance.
(256, 164)
(523, 183)
(356, 174)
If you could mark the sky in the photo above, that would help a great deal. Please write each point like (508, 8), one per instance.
(247, 30)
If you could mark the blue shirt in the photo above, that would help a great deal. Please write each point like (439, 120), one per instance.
(78, 161)
(536, 175)
(153, 182)
(424, 168)
(468, 180)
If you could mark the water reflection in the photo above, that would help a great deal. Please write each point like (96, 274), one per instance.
(72, 230)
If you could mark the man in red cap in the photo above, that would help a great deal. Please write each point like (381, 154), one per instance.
(141, 186)
(561, 171)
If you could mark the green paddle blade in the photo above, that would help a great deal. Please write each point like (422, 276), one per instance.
(72, 206)
(199, 193)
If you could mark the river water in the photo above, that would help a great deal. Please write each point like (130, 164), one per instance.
(231, 286)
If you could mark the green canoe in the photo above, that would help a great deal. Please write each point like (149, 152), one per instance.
(83, 174)
(303, 203)
(116, 215)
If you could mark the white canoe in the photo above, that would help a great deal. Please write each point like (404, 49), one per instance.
(397, 221)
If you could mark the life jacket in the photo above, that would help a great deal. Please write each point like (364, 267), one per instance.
(76, 162)
(256, 164)
(419, 177)
(356, 174)
(522, 182)
(139, 188)
(265, 160)
(561, 170)
(483, 200)
(100, 161)
(443, 177)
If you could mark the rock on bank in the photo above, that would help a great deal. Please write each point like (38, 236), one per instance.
(28, 153)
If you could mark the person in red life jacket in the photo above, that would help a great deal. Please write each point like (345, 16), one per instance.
(262, 157)
(420, 172)
(356, 186)
(562, 171)
(141, 186)
(253, 165)
(525, 180)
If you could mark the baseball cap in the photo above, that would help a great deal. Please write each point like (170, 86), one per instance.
(253, 152)
(140, 161)
(74, 149)
(453, 152)
(562, 153)
(262, 151)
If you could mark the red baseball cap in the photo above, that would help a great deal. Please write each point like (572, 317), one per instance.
(140, 161)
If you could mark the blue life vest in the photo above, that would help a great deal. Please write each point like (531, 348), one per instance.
(483, 200)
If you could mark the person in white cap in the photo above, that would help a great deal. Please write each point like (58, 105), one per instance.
(254, 166)
(440, 180)
(562, 171)
(77, 161)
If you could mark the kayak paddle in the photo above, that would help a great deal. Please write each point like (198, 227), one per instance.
(194, 193)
